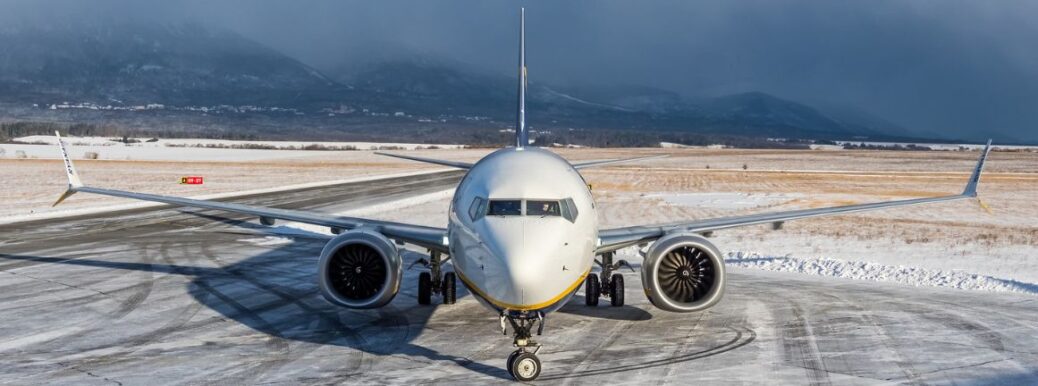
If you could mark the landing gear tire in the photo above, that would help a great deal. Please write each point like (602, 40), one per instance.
(511, 361)
(449, 288)
(616, 290)
(592, 290)
(424, 288)
(524, 366)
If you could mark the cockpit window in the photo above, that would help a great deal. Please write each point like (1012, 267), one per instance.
(478, 208)
(542, 208)
(569, 210)
(505, 208)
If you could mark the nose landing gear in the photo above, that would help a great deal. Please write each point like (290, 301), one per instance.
(523, 364)
(607, 283)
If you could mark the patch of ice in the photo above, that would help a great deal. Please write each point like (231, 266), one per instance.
(268, 240)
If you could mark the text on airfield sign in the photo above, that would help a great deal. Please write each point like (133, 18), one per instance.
(194, 180)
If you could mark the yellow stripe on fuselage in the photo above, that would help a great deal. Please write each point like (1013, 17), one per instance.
(521, 307)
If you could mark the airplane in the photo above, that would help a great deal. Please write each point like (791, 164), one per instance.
(522, 237)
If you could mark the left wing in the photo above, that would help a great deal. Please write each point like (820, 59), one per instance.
(613, 239)
(453, 164)
(428, 237)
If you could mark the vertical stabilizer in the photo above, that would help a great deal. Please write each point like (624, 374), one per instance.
(521, 137)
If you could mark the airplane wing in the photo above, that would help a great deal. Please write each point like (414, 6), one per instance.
(453, 164)
(613, 239)
(589, 164)
(428, 237)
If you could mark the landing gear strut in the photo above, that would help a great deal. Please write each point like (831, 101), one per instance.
(523, 364)
(607, 283)
(436, 282)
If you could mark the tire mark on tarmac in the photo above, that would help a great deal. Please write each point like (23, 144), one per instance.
(889, 342)
(740, 336)
(354, 339)
(800, 348)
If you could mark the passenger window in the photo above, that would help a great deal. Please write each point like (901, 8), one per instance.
(569, 210)
(478, 208)
(542, 208)
(505, 208)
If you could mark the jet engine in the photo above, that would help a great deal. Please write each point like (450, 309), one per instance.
(683, 273)
(360, 269)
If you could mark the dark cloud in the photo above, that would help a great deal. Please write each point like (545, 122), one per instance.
(965, 68)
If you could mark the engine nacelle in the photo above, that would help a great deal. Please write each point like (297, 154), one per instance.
(683, 273)
(360, 269)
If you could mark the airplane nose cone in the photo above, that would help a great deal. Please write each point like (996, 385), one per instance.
(535, 267)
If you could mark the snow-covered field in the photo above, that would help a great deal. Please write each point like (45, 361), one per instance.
(188, 148)
(990, 247)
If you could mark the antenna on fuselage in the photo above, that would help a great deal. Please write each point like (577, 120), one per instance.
(521, 137)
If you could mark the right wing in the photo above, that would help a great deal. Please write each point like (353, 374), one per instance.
(613, 239)
(588, 164)
(428, 237)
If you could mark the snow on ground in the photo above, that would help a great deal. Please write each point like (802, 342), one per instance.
(151, 153)
(862, 270)
(180, 142)
(36, 146)
(942, 146)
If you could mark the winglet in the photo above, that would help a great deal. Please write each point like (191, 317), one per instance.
(971, 186)
(70, 171)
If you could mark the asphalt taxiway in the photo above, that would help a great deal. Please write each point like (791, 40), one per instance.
(176, 296)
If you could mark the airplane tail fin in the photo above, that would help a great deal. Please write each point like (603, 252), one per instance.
(70, 172)
(522, 139)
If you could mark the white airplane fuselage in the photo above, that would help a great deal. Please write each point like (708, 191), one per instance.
(527, 261)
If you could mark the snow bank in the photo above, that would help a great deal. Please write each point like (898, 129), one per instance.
(861, 270)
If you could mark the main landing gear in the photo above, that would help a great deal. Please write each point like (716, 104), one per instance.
(433, 282)
(523, 364)
(606, 283)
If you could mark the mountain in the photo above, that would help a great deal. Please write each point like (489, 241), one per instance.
(431, 88)
(139, 64)
(202, 78)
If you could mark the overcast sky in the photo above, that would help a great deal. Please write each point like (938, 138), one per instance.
(958, 67)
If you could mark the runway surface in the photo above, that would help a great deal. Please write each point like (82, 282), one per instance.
(174, 297)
